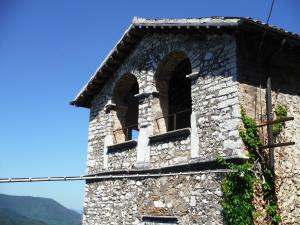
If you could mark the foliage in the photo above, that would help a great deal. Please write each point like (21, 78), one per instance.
(250, 135)
(270, 196)
(280, 112)
(238, 192)
(238, 185)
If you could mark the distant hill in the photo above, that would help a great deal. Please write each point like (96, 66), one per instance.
(9, 217)
(27, 210)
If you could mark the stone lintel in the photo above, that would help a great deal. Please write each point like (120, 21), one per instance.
(172, 219)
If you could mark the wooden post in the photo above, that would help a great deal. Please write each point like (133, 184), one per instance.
(269, 119)
(174, 121)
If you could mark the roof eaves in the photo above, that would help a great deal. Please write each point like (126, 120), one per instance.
(259, 24)
(80, 94)
(211, 21)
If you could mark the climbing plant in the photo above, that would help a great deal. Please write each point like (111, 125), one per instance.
(269, 184)
(238, 185)
(238, 191)
(280, 112)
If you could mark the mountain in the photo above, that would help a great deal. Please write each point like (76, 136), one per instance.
(9, 217)
(42, 211)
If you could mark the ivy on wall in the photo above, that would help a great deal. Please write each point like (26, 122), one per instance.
(280, 112)
(238, 186)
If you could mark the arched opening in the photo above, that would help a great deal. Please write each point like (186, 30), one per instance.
(172, 109)
(125, 115)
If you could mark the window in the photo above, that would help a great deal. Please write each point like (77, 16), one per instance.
(159, 220)
(172, 109)
(125, 115)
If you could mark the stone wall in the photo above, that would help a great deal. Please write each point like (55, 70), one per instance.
(99, 121)
(215, 101)
(288, 163)
(171, 151)
(122, 158)
(225, 75)
(284, 68)
(194, 199)
(214, 89)
(215, 120)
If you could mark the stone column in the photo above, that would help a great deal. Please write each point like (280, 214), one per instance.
(108, 139)
(194, 131)
(145, 129)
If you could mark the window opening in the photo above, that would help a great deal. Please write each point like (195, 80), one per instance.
(134, 134)
(179, 97)
(149, 220)
(172, 109)
(125, 117)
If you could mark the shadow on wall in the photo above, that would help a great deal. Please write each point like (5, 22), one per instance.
(281, 61)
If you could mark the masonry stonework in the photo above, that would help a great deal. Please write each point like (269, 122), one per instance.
(284, 68)
(167, 173)
(193, 199)
(214, 92)
(170, 152)
(215, 104)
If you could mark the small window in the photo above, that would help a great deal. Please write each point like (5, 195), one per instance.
(159, 220)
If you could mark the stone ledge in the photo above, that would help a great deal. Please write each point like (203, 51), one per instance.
(195, 164)
(193, 76)
(121, 146)
(171, 134)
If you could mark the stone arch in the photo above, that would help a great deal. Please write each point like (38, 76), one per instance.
(191, 47)
(172, 107)
(125, 113)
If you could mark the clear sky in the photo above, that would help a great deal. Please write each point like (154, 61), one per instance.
(48, 50)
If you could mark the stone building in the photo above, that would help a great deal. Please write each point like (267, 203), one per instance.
(167, 100)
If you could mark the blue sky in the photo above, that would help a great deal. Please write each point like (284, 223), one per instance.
(48, 50)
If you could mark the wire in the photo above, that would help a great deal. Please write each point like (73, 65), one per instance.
(265, 31)
(270, 12)
(259, 55)
(105, 177)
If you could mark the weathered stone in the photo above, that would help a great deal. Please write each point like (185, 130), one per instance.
(224, 77)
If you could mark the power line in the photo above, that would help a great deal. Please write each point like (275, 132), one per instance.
(106, 177)
(265, 30)
(259, 54)
(270, 11)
